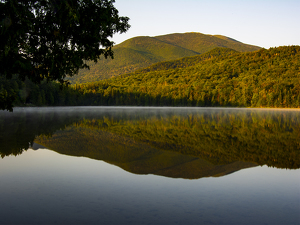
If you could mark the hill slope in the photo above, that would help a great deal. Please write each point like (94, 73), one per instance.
(217, 53)
(202, 43)
(265, 78)
(140, 52)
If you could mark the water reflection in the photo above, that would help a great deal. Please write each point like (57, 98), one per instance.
(43, 187)
(174, 142)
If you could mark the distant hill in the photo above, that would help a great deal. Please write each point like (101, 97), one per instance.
(202, 43)
(141, 52)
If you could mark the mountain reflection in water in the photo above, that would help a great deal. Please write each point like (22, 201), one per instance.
(173, 142)
(78, 187)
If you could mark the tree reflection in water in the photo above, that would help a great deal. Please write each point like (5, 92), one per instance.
(185, 138)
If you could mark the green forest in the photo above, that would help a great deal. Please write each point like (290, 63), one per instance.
(220, 77)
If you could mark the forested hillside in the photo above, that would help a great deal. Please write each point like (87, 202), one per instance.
(221, 77)
(189, 61)
(265, 78)
(204, 42)
(140, 52)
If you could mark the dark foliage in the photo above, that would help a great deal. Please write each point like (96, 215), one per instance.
(52, 39)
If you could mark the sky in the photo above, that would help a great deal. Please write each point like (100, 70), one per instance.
(265, 23)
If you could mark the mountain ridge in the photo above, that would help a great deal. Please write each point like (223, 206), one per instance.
(143, 51)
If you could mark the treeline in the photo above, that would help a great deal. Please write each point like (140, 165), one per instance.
(266, 78)
(27, 93)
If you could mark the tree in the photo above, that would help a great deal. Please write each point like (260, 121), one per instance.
(52, 39)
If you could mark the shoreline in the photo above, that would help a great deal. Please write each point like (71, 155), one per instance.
(162, 107)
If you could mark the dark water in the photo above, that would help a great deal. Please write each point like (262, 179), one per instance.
(109, 165)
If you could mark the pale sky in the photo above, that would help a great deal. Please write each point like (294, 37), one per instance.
(265, 23)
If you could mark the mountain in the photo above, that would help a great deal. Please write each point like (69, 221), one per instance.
(141, 52)
(202, 43)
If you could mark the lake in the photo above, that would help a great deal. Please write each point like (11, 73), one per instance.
(149, 165)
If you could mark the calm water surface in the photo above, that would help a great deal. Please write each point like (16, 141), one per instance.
(108, 165)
